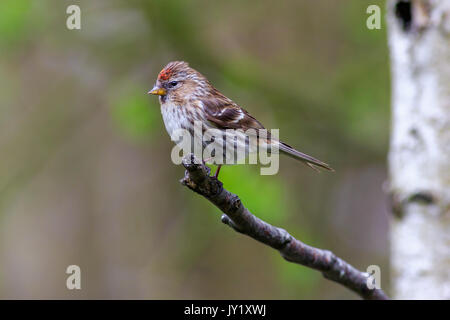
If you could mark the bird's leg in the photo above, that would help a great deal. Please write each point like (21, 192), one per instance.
(204, 163)
(217, 171)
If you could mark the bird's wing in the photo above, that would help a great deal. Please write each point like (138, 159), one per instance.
(225, 114)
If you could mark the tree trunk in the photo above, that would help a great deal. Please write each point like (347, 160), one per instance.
(419, 157)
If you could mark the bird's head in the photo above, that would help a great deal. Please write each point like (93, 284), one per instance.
(178, 82)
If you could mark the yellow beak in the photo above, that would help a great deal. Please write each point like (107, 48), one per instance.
(158, 91)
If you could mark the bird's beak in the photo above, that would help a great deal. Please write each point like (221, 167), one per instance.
(158, 91)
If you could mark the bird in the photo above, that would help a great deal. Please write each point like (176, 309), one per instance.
(186, 96)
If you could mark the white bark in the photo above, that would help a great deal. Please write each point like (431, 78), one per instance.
(419, 157)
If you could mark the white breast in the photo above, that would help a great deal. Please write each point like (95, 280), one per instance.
(174, 117)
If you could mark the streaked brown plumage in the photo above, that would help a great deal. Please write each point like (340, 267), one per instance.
(186, 96)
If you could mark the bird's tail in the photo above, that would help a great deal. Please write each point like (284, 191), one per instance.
(308, 160)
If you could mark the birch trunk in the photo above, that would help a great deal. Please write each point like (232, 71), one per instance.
(419, 157)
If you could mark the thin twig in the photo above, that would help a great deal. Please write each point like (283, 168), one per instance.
(241, 220)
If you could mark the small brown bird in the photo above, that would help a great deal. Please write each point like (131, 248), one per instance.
(187, 96)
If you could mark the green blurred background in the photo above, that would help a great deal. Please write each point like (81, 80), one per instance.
(86, 175)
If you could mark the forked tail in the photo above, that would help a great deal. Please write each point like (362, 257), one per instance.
(308, 160)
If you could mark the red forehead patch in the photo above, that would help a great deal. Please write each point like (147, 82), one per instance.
(165, 74)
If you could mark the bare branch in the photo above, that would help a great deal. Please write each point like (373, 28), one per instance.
(243, 221)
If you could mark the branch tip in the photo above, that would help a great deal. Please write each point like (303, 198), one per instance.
(243, 221)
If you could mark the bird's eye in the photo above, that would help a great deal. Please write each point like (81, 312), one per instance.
(173, 83)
